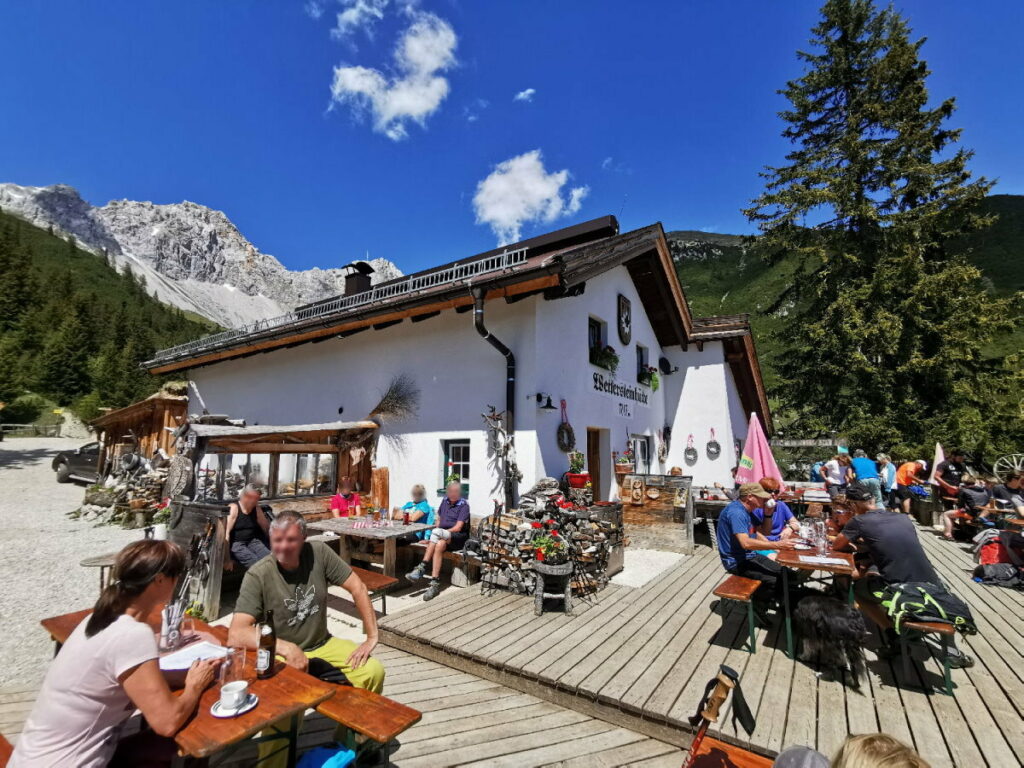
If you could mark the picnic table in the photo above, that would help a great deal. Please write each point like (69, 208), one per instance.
(810, 560)
(345, 528)
(282, 697)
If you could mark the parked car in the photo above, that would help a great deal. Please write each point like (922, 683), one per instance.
(79, 464)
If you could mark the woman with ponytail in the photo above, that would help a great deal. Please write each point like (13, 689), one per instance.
(108, 668)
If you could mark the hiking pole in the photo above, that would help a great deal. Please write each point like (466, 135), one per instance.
(715, 694)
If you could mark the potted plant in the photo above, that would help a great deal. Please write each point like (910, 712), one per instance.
(550, 548)
(605, 357)
(576, 477)
(624, 461)
(648, 375)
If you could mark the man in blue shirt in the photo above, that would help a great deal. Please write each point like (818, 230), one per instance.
(739, 540)
(867, 475)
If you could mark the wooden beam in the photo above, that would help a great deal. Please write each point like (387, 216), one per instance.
(235, 447)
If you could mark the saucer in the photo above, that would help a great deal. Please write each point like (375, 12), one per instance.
(218, 711)
(803, 547)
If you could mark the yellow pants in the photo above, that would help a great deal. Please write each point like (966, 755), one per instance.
(335, 652)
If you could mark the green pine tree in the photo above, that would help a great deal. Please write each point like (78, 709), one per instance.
(64, 363)
(890, 326)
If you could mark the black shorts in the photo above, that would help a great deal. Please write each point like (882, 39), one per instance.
(904, 492)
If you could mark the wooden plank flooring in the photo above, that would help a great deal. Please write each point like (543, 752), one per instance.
(466, 722)
(639, 659)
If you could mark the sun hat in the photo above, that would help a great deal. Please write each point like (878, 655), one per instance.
(753, 489)
(923, 463)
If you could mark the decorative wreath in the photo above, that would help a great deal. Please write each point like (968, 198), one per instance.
(714, 449)
(566, 436)
(690, 454)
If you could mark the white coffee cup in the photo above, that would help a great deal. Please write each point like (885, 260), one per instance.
(235, 694)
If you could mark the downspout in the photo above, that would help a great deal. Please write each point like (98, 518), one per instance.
(510, 382)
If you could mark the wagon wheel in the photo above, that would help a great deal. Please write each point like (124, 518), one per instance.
(1011, 462)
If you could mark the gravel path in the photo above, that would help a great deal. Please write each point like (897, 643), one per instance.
(39, 571)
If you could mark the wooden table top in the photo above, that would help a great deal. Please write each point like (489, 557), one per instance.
(792, 558)
(287, 693)
(345, 526)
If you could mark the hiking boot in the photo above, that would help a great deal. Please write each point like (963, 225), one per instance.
(433, 590)
(417, 573)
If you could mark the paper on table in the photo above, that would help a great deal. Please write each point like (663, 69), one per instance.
(822, 560)
(183, 659)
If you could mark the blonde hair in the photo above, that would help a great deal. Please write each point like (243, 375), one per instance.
(876, 750)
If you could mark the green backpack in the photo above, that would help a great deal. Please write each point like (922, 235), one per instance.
(921, 601)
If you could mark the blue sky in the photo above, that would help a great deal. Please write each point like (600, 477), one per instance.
(655, 111)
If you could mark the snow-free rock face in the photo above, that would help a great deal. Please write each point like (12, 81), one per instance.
(191, 256)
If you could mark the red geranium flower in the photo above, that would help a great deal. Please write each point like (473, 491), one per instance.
(535, 524)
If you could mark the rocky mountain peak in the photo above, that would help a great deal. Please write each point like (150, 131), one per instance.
(191, 256)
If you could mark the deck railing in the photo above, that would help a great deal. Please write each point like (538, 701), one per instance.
(382, 292)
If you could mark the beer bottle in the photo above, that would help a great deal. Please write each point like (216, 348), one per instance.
(265, 650)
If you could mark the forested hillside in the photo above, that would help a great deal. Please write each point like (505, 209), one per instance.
(73, 329)
(722, 275)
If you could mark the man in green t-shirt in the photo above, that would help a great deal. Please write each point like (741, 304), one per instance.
(293, 584)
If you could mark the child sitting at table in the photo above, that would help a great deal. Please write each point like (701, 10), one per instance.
(346, 503)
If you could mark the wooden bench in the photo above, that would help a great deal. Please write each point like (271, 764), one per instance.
(377, 584)
(6, 750)
(945, 631)
(465, 567)
(740, 589)
(376, 717)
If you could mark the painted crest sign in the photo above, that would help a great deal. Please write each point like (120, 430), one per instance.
(625, 316)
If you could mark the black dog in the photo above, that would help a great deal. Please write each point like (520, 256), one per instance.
(831, 635)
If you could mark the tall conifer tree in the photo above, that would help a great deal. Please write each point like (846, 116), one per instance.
(890, 325)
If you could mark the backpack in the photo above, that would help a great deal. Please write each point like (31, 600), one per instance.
(1000, 575)
(921, 601)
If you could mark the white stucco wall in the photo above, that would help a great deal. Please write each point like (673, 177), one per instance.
(707, 399)
(459, 374)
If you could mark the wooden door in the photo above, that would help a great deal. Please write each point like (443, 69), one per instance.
(594, 462)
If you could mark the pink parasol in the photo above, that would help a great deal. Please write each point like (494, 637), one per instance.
(757, 460)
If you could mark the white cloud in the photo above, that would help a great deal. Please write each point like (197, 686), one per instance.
(315, 8)
(358, 15)
(526, 95)
(415, 91)
(520, 191)
(606, 164)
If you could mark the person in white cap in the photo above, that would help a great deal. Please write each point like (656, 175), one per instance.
(907, 475)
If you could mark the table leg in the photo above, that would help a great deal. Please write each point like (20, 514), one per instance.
(789, 620)
(390, 556)
(293, 741)
(343, 548)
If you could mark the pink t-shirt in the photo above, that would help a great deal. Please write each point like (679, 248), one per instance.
(81, 707)
(340, 504)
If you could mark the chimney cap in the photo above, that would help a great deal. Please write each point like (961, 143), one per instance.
(362, 267)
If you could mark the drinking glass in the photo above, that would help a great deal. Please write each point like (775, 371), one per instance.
(233, 667)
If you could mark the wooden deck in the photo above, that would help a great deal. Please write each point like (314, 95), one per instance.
(640, 658)
(467, 721)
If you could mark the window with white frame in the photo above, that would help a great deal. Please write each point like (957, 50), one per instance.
(456, 460)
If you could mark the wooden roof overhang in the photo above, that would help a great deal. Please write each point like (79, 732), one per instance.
(738, 342)
(135, 410)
